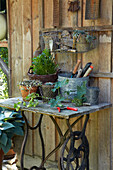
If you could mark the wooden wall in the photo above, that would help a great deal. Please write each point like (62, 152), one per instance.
(26, 18)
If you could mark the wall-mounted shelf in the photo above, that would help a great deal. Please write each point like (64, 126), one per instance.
(86, 28)
(68, 40)
(3, 44)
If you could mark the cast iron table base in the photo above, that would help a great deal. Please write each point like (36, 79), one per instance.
(72, 157)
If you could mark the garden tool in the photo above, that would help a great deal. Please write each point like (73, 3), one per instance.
(66, 107)
(75, 68)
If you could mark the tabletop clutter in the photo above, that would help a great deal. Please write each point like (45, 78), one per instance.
(79, 84)
(58, 87)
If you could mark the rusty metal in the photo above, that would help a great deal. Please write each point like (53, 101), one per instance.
(64, 139)
(92, 9)
(74, 6)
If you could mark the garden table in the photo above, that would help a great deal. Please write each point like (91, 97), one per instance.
(72, 157)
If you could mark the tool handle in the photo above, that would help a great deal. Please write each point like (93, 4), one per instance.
(79, 73)
(71, 108)
(85, 68)
(88, 71)
(58, 109)
(76, 66)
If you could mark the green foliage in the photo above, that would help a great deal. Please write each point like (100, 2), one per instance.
(4, 54)
(44, 64)
(11, 124)
(32, 101)
(30, 83)
(79, 33)
(80, 97)
(3, 78)
(59, 98)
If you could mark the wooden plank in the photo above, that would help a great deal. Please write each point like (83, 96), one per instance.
(80, 14)
(9, 45)
(48, 132)
(16, 45)
(48, 13)
(35, 25)
(95, 28)
(105, 14)
(111, 122)
(92, 135)
(56, 13)
(105, 95)
(3, 44)
(104, 139)
(27, 37)
(29, 144)
(102, 74)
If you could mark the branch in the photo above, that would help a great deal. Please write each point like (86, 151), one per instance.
(4, 67)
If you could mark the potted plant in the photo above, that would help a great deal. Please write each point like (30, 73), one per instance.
(83, 41)
(47, 91)
(29, 86)
(44, 67)
(11, 124)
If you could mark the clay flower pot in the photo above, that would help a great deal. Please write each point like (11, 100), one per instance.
(28, 87)
(25, 91)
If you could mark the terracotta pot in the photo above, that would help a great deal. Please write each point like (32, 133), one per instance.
(10, 154)
(25, 91)
(43, 78)
(1, 158)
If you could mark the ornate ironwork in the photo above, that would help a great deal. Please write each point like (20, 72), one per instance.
(74, 154)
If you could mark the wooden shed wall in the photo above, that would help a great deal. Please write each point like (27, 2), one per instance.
(26, 19)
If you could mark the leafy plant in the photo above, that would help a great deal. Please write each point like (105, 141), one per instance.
(32, 101)
(78, 34)
(59, 98)
(30, 83)
(11, 124)
(3, 78)
(44, 64)
(80, 97)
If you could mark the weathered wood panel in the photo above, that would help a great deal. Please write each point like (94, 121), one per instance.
(35, 24)
(24, 38)
(16, 60)
(48, 132)
(27, 37)
(105, 14)
(48, 13)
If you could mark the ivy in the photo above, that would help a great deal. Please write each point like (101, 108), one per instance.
(80, 97)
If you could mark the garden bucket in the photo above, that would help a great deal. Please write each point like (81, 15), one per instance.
(71, 87)
(92, 95)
